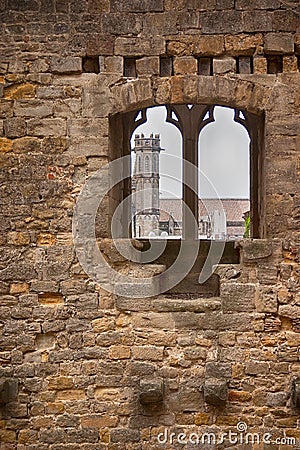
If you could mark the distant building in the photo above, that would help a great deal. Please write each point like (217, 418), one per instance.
(145, 185)
(152, 216)
(213, 223)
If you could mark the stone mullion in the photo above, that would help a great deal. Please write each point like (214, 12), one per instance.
(190, 124)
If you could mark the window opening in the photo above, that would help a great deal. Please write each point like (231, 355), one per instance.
(223, 151)
(192, 123)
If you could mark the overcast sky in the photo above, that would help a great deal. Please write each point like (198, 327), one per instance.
(223, 151)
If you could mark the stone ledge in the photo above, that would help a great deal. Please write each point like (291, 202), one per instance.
(199, 305)
(195, 305)
(257, 249)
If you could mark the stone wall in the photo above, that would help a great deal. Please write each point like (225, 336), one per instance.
(85, 369)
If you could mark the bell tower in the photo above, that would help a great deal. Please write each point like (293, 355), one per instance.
(145, 185)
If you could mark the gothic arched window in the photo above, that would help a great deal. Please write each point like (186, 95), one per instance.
(189, 120)
(155, 164)
(147, 164)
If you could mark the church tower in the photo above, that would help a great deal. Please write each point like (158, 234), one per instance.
(145, 185)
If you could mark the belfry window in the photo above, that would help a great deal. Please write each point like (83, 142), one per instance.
(147, 163)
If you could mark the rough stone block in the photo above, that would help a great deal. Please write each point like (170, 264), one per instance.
(188, 20)
(18, 238)
(8, 438)
(261, 21)
(98, 421)
(111, 64)
(26, 145)
(238, 297)
(291, 311)
(119, 352)
(120, 24)
(216, 23)
(208, 45)
(202, 419)
(290, 64)
(98, 44)
(218, 370)
(260, 64)
(287, 20)
(189, 398)
(180, 46)
(60, 383)
(87, 127)
(165, 23)
(278, 43)
(257, 368)
(253, 250)
(71, 394)
(14, 128)
(124, 435)
(28, 300)
(128, 304)
(185, 65)
(85, 301)
(224, 65)
(68, 64)
(267, 302)
(27, 437)
(147, 352)
(137, 5)
(239, 396)
(103, 324)
(147, 66)
(151, 391)
(151, 46)
(18, 288)
(32, 108)
(215, 392)
(19, 91)
(243, 44)
(44, 286)
(98, 6)
(195, 353)
(154, 320)
(47, 127)
(276, 399)
(50, 92)
(257, 4)
(5, 145)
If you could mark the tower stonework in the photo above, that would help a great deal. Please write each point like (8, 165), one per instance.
(86, 367)
(145, 184)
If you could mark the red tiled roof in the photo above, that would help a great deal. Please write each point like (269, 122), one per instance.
(234, 208)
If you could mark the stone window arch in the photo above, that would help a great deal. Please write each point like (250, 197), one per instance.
(190, 119)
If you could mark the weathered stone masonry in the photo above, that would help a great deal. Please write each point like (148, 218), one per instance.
(83, 369)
